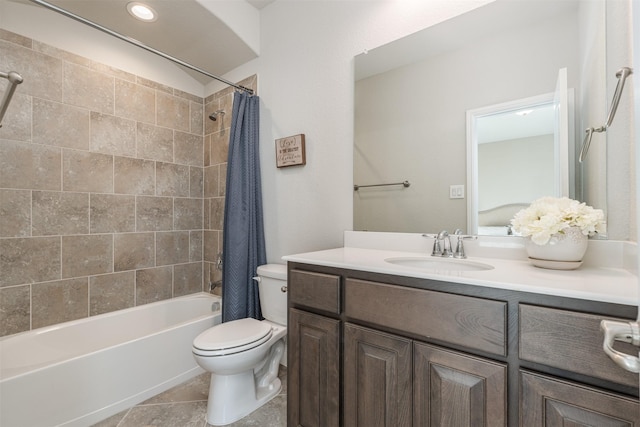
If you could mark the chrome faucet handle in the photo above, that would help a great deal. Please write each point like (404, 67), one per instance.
(459, 253)
(437, 250)
(446, 244)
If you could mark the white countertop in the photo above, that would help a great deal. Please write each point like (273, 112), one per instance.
(596, 283)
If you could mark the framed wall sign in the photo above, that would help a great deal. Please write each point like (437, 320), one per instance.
(290, 151)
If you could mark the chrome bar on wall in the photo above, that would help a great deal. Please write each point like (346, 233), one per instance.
(405, 184)
(622, 75)
(137, 43)
(14, 80)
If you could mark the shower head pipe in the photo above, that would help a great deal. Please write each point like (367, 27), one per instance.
(14, 80)
(214, 116)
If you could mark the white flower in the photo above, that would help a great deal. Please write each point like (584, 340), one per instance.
(550, 215)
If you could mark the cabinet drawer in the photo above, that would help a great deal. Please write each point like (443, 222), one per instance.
(571, 341)
(314, 290)
(467, 321)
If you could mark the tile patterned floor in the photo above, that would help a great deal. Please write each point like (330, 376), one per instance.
(186, 406)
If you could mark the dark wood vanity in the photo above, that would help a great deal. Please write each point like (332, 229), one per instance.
(369, 349)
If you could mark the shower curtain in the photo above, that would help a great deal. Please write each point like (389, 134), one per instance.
(243, 238)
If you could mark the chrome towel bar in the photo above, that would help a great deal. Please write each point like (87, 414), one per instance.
(405, 184)
(622, 75)
(14, 80)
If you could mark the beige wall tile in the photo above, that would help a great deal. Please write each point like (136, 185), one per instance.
(173, 112)
(206, 214)
(61, 301)
(87, 255)
(187, 279)
(133, 250)
(15, 38)
(29, 166)
(172, 180)
(154, 143)
(113, 135)
(197, 118)
(207, 150)
(154, 284)
(222, 184)
(57, 213)
(217, 213)
(89, 89)
(83, 171)
(172, 247)
(112, 213)
(52, 125)
(187, 214)
(135, 101)
(15, 213)
(219, 148)
(16, 124)
(154, 213)
(134, 176)
(210, 245)
(111, 292)
(211, 181)
(42, 74)
(15, 309)
(195, 245)
(196, 182)
(41, 254)
(189, 149)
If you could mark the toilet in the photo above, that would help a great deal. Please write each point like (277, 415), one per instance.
(244, 355)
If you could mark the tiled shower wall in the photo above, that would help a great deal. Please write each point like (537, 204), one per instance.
(111, 195)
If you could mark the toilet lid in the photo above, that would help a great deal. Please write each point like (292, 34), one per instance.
(233, 335)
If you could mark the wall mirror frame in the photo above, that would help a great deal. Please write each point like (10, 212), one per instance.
(417, 90)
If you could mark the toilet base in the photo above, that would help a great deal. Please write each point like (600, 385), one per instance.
(232, 397)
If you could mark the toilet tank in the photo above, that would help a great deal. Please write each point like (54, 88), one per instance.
(272, 285)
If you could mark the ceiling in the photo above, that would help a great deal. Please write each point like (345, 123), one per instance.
(184, 29)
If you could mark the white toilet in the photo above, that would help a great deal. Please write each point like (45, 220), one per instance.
(244, 355)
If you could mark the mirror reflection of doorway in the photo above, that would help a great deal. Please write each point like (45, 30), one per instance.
(518, 152)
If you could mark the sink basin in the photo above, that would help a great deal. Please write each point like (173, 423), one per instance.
(439, 264)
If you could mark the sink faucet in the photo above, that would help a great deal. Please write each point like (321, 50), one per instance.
(443, 250)
(459, 253)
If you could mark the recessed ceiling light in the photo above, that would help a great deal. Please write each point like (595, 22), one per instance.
(142, 12)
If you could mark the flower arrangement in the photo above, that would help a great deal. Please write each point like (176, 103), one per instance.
(551, 215)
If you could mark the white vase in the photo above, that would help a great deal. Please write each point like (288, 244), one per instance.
(569, 246)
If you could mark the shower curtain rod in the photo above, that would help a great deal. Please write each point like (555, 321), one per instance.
(137, 43)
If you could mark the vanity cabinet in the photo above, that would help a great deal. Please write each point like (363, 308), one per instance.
(368, 349)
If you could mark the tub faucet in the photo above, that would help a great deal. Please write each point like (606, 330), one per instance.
(444, 249)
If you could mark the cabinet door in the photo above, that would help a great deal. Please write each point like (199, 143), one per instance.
(377, 378)
(548, 402)
(454, 389)
(313, 370)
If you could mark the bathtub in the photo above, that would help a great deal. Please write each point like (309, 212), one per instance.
(81, 372)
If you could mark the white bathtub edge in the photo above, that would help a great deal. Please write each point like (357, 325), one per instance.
(131, 401)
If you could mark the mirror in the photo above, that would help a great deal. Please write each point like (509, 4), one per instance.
(412, 97)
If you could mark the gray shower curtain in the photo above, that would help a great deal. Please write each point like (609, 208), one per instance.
(243, 239)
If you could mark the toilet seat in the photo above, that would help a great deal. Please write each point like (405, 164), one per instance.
(232, 337)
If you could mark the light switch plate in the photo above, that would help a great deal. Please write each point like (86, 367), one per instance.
(456, 191)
